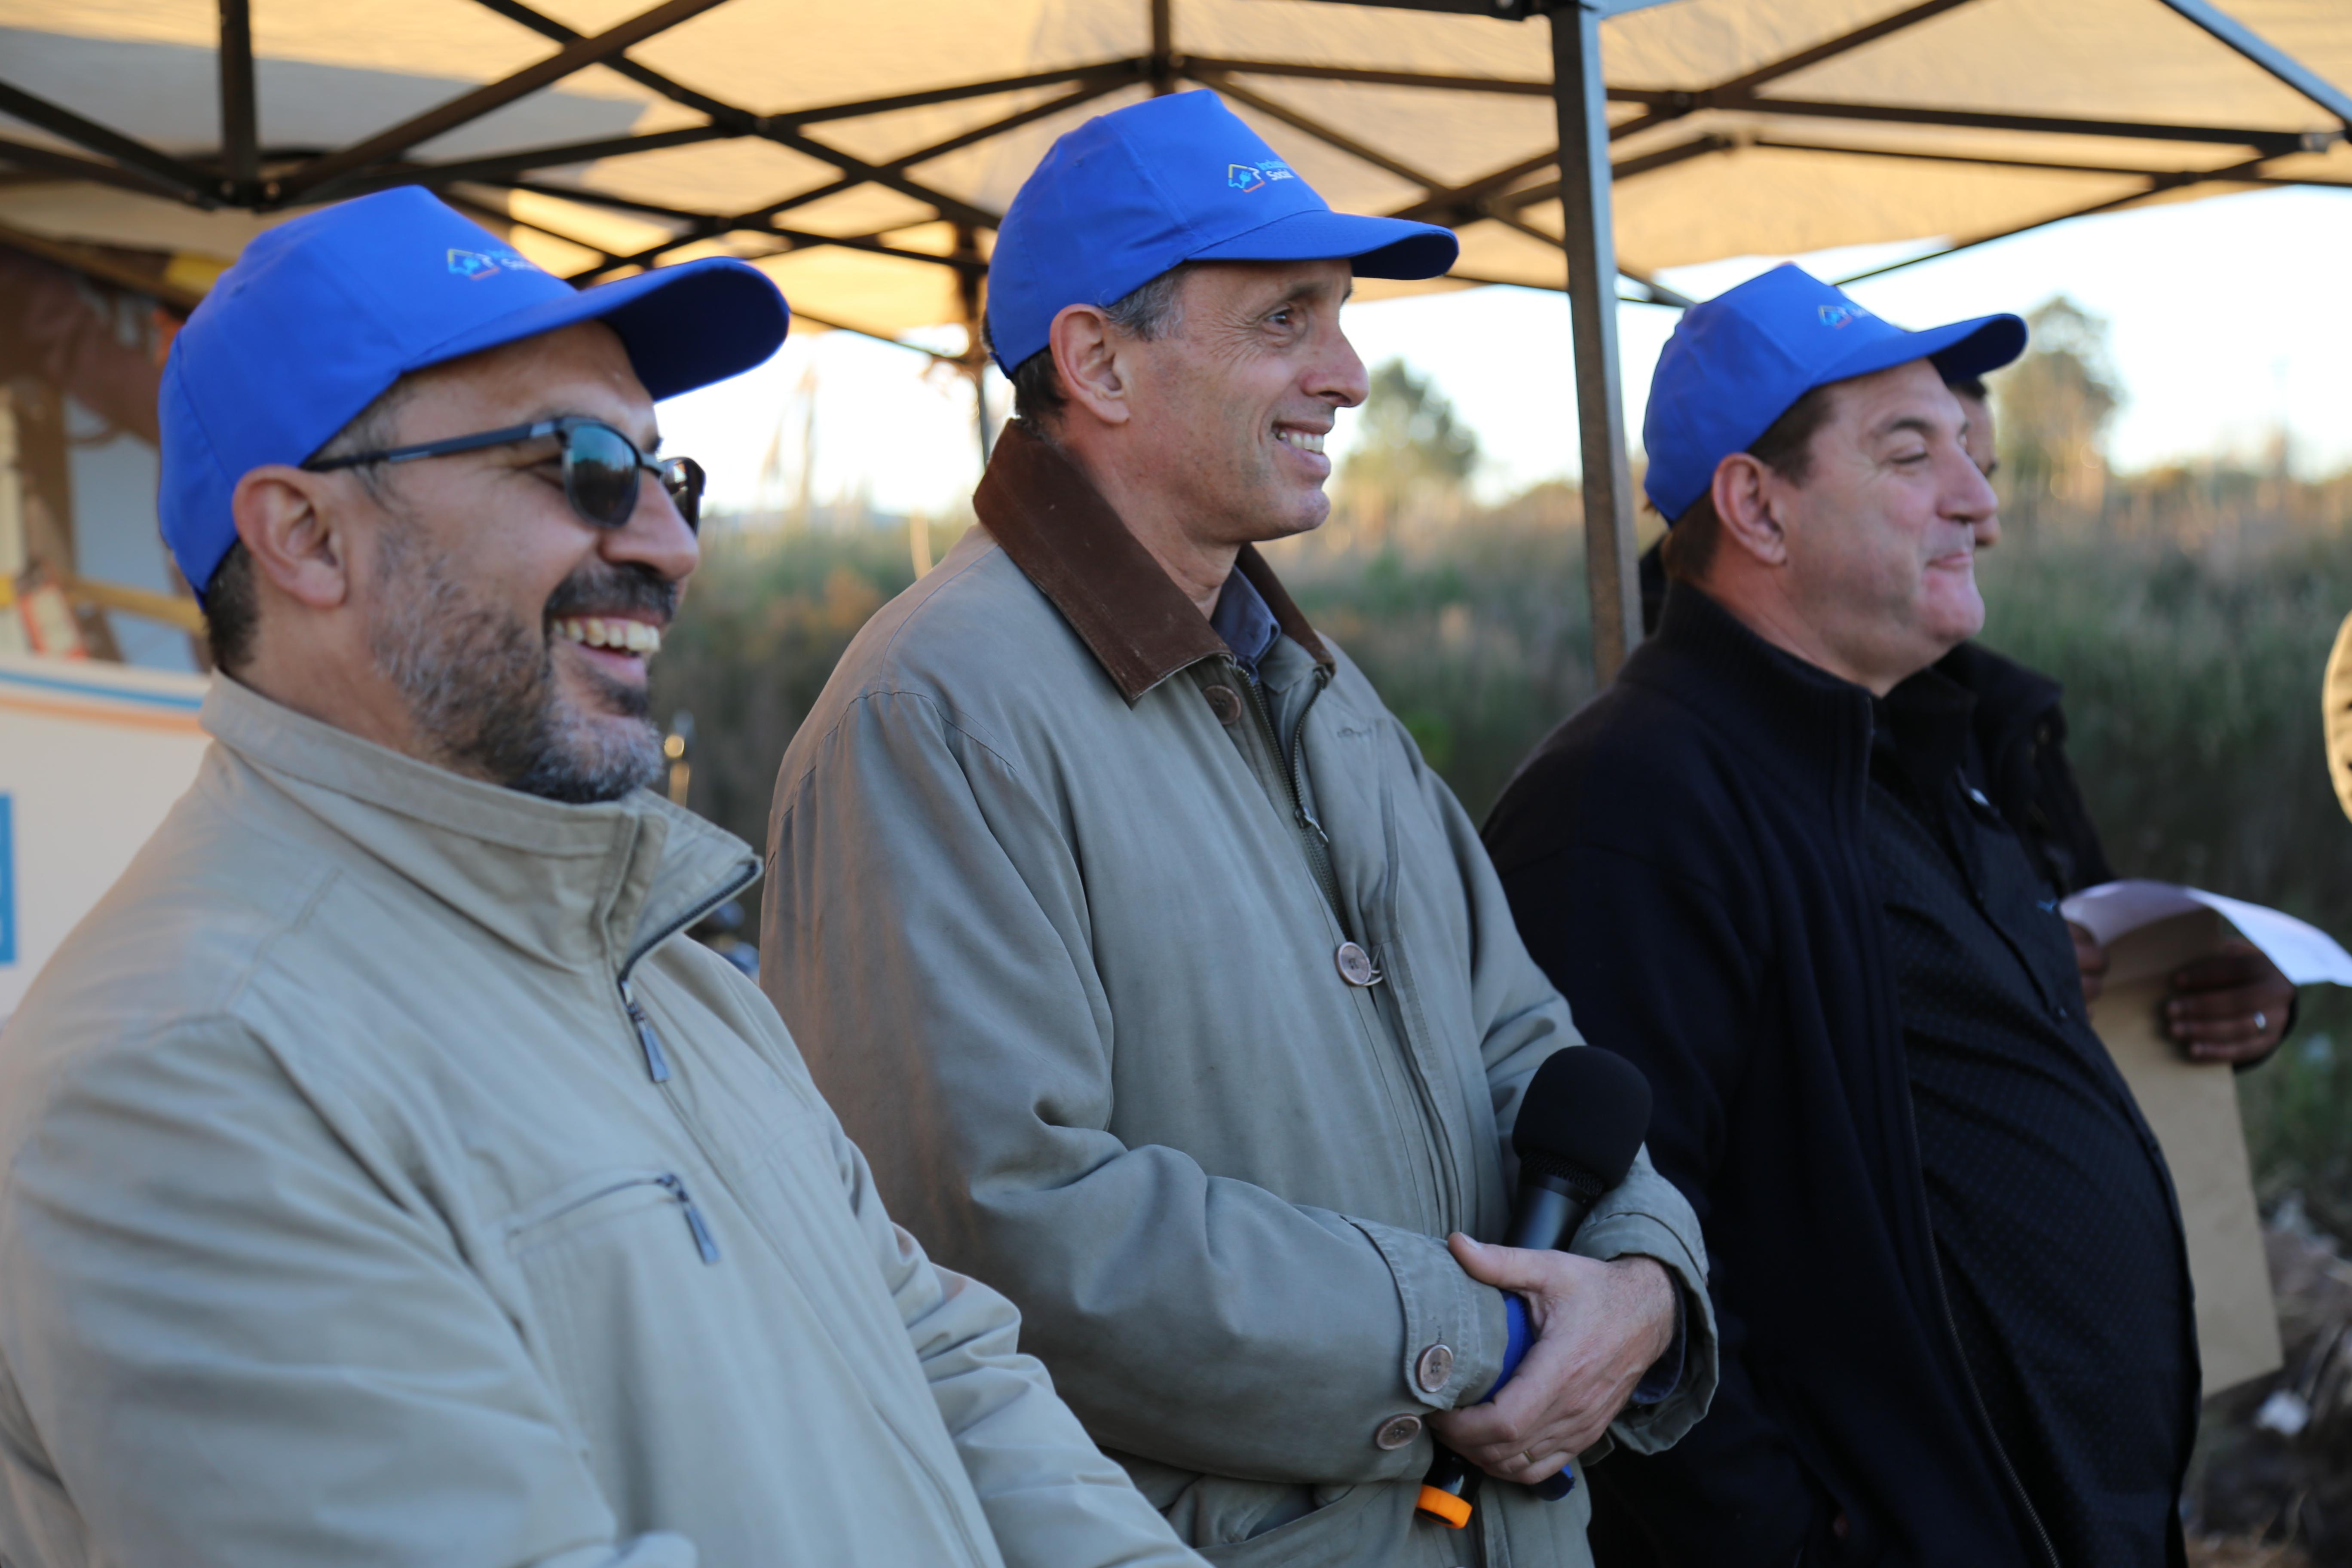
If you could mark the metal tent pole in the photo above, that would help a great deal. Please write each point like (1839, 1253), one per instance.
(240, 141)
(1582, 100)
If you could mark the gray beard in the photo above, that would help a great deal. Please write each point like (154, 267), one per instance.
(481, 690)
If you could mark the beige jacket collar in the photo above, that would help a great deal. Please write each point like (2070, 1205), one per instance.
(574, 885)
(1057, 528)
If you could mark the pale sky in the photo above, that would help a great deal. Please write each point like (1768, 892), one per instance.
(2229, 317)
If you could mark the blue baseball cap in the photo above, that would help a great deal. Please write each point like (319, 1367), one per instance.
(1738, 361)
(321, 315)
(1128, 195)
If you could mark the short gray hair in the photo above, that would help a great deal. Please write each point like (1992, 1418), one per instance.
(232, 605)
(1151, 312)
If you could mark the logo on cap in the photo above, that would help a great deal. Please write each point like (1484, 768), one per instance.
(1835, 316)
(1248, 177)
(479, 264)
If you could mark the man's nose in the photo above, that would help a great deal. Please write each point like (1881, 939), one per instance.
(1340, 375)
(1969, 495)
(656, 535)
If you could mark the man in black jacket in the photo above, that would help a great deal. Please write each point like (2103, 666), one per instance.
(1948, 1266)
(2232, 1006)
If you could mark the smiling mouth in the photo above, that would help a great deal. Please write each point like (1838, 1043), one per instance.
(1305, 440)
(618, 633)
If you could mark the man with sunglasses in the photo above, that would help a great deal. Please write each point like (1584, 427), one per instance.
(382, 1177)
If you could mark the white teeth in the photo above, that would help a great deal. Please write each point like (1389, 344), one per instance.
(1305, 441)
(597, 631)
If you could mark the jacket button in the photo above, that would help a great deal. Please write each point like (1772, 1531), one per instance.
(1397, 1431)
(1226, 703)
(1356, 966)
(1435, 1365)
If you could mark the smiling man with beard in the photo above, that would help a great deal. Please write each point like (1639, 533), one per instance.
(1168, 987)
(384, 1177)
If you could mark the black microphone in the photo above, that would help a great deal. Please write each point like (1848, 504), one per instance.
(1581, 1123)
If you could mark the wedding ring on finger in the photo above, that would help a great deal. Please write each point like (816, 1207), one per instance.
(2262, 1020)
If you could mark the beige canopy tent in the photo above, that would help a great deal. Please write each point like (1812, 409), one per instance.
(862, 155)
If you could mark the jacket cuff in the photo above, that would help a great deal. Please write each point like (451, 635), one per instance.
(1647, 1429)
(1665, 1373)
(1444, 1309)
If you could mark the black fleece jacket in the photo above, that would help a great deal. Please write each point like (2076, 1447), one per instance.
(1686, 857)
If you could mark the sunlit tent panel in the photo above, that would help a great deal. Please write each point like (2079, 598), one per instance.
(864, 154)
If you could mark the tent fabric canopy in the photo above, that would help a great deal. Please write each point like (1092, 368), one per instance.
(862, 155)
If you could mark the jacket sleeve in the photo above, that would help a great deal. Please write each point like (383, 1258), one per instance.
(223, 1343)
(1051, 1497)
(1525, 1019)
(1659, 972)
(925, 937)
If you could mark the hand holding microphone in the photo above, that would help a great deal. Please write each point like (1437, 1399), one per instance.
(1599, 1326)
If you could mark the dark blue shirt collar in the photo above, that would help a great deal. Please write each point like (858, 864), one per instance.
(1244, 620)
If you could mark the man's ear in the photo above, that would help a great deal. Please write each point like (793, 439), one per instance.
(1743, 497)
(1086, 349)
(288, 522)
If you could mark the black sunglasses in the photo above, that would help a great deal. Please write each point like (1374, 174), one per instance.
(600, 467)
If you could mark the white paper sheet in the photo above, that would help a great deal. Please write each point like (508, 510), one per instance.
(2305, 954)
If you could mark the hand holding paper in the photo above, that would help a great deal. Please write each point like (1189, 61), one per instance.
(2304, 954)
(2232, 1006)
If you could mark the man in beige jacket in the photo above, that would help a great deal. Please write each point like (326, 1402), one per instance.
(384, 1180)
(1168, 989)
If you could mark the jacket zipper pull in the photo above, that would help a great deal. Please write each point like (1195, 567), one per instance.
(657, 1059)
(704, 1242)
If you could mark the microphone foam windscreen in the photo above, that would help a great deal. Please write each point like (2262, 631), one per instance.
(1586, 1109)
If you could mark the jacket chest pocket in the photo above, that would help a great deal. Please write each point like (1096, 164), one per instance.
(604, 1200)
(616, 1265)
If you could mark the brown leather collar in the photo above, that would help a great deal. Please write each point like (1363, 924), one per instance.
(1065, 538)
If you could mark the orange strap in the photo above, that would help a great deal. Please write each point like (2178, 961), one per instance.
(1444, 1506)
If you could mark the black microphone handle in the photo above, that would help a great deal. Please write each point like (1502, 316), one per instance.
(1549, 1210)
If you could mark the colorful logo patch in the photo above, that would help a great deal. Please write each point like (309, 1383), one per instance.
(484, 264)
(1252, 176)
(1835, 316)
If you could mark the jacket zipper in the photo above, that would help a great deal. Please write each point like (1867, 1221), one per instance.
(1936, 1264)
(1312, 839)
(705, 1243)
(649, 1039)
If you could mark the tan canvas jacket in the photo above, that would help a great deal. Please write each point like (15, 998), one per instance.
(383, 1181)
(1060, 928)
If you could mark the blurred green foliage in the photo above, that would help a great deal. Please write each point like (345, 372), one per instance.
(764, 621)
(2192, 680)
(1411, 457)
